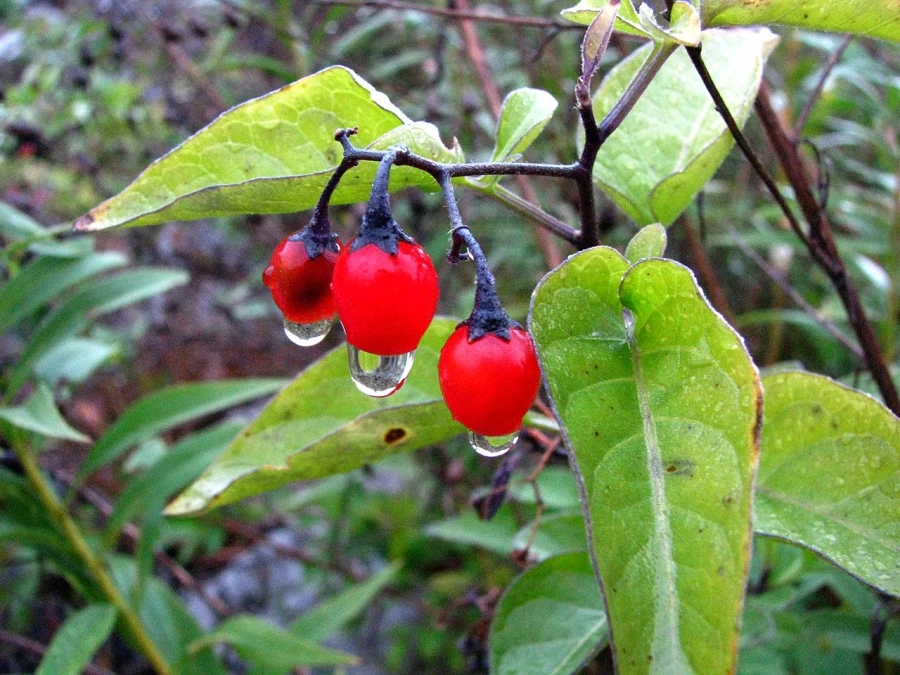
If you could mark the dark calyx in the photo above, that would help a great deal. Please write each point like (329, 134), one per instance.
(488, 315)
(317, 236)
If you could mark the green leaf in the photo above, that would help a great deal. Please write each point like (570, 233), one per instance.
(321, 425)
(15, 225)
(183, 462)
(73, 360)
(525, 114)
(649, 242)
(652, 169)
(550, 621)
(45, 278)
(327, 618)
(661, 413)
(468, 529)
(557, 486)
(96, 299)
(76, 641)
(163, 613)
(828, 475)
(274, 154)
(559, 533)
(878, 18)
(262, 643)
(170, 407)
(39, 414)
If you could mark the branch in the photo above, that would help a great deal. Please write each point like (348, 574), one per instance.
(796, 297)
(741, 140)
(595, 135)
(820, 241)
(460, 15)
(823, 249)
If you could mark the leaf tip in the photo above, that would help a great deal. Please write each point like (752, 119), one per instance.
(86, 223)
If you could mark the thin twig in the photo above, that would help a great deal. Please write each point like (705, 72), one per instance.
(460, 15)
(595, 135)
(820, 85)
(539, 216)
(795, 295)
(37, 648)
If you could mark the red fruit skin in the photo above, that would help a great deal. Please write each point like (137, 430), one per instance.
(301, 287)
(385, 302)
(489, 384)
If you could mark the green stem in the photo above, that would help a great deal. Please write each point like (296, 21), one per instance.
(534, 213)
(70, 529)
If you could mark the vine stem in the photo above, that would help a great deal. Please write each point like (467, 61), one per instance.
(70, 529)
(595, 135)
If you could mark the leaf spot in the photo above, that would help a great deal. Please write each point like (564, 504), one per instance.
(395, 435)
(680, 467)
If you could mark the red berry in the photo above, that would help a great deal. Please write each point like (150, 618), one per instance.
(385, 302)
(301, 287)
(490, 383)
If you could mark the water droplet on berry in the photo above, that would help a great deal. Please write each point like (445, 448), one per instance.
(492, 446)
(378, 376)
(307, 334)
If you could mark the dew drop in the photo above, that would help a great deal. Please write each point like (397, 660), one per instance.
(307, 334)
(492, 446)
(378, 376)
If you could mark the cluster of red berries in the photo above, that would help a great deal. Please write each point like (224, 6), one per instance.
(384, 288)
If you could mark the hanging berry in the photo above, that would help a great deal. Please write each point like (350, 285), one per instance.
(489, 383)
(299, 278)
(488, 369)
(386, 292)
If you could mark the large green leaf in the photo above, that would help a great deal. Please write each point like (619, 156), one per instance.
(76, 641)
(170, 407)
(872, 18)
(673, 140)
(661, 413)
(550, 620)
(321, 425)
(274, 154)
(267, 645)
(829, 475)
